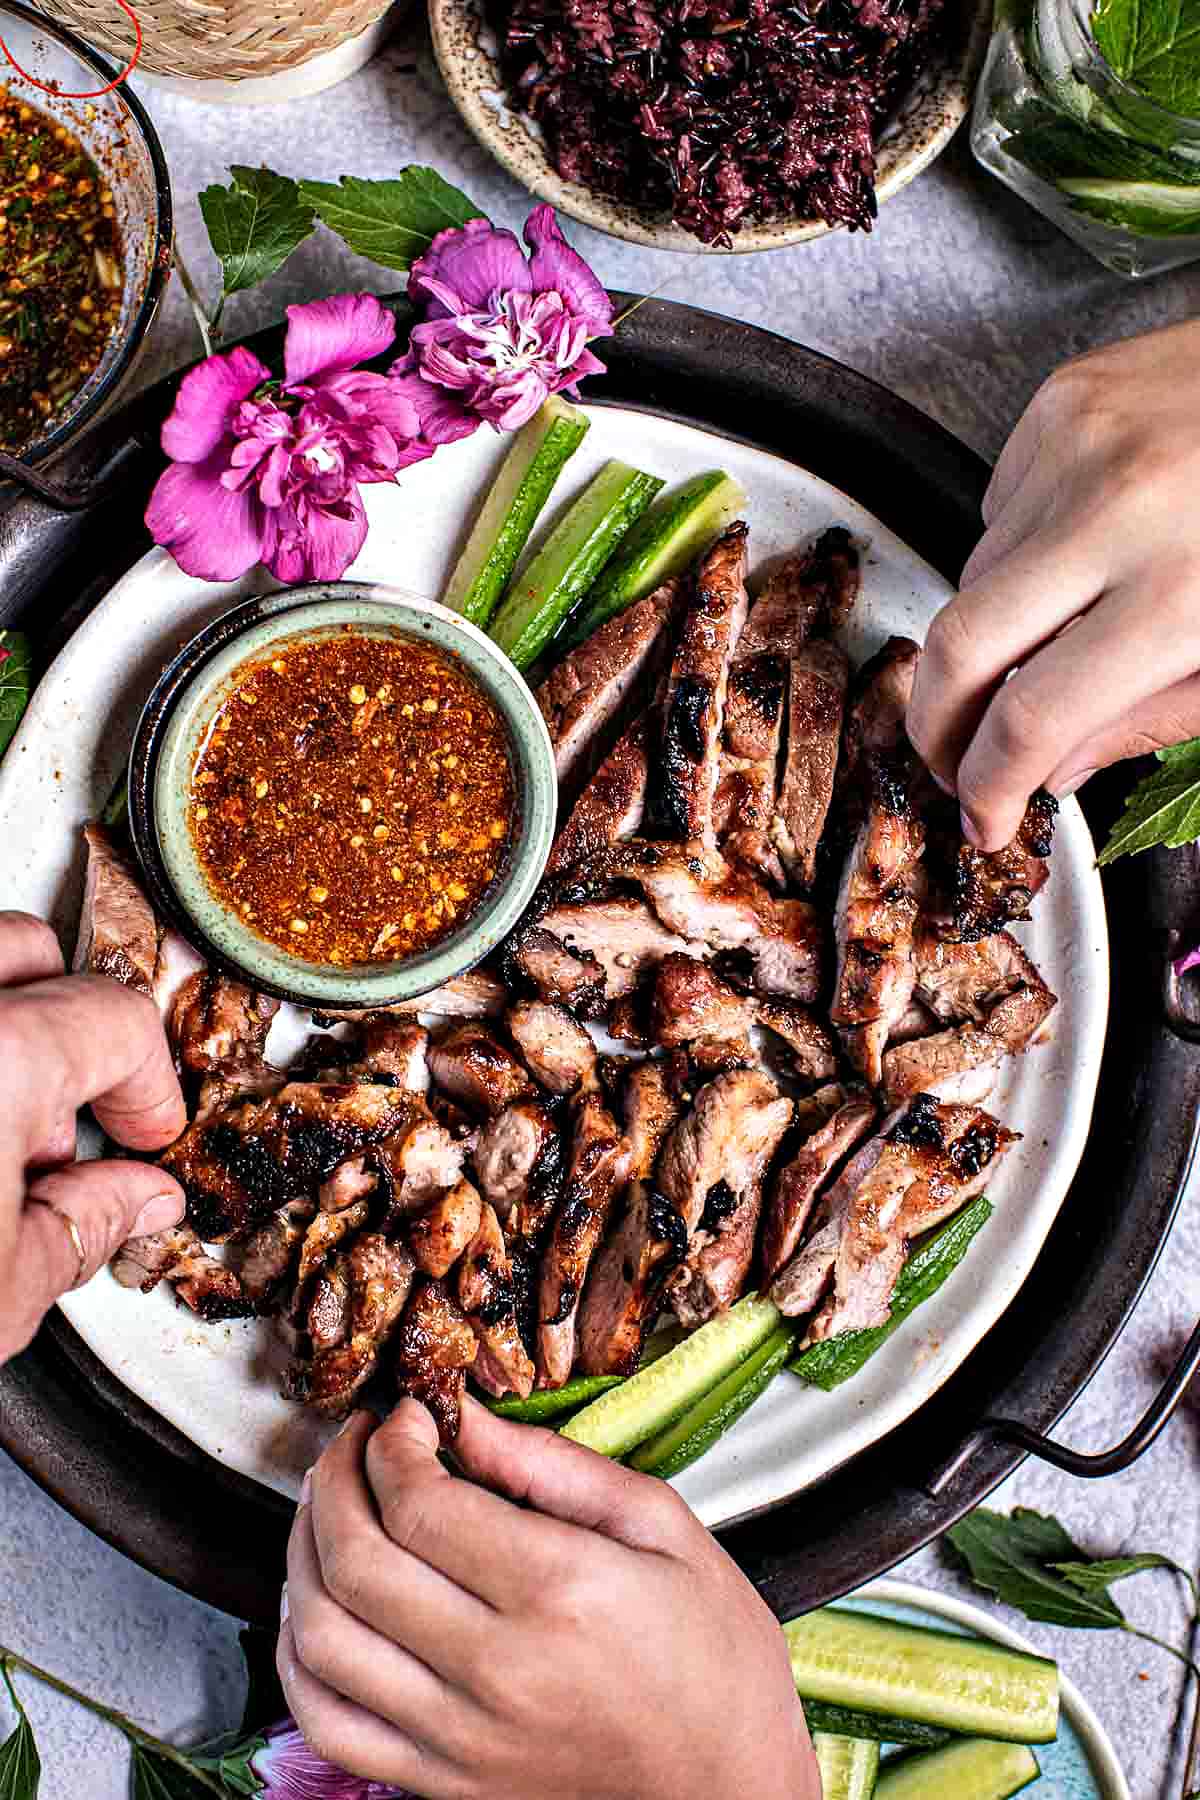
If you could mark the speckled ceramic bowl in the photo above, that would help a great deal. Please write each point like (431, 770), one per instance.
(466, 50)
(174, 726)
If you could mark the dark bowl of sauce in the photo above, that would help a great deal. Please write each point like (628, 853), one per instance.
(342, 796)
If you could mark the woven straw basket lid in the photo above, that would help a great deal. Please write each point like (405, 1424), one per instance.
(218, 40)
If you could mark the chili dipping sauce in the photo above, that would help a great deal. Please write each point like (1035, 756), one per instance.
(354, 798)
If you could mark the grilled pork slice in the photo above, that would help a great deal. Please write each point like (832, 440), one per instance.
(619, 939)
(623, 1289)
(419, 1158)
(938, 1157)
(438, 1236)
(219, 1029)
(811, 1054)
(874, 920)
(694, 708)
(555, 1047)
(487, 1296)
(435, 1346)
(597, 1169)
(588, 687)
(611, 806)
(177, 1255)
(379, 1273)
(721, 1248)
(536, 957)
(959, 981)
(476, 995)
(878, 709)
(250, 1159)
(520, 1163)
(801, 1179)
(270, 1252)
(693, 1008)
(327, 1319)
(394, 1052)
(961, 1063)
(471, 1065)
(991, 890)
(818, 676)
(119, 935)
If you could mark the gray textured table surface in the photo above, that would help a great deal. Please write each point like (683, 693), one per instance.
(962, 300)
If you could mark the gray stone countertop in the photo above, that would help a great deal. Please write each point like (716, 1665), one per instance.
(962, 300)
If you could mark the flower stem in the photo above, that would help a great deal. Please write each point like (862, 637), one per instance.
(207, 327)
(9, 1660)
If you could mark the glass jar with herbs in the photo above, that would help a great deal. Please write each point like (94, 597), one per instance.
(1090, 109)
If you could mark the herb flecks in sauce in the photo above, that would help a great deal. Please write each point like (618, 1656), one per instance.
(353, 800)
(60, 269)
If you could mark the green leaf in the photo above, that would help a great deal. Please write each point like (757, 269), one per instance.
(1154, 45)
(15, 683)
(392, 222)
(231, 1766)
(1093, 1577)
(20, 1764)
(254, 225)
(1015, 1557)
(1164, 808)
(155, 1777)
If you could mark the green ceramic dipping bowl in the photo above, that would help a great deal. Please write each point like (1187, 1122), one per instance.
(174, 727)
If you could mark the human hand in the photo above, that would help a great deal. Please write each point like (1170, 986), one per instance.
(67, 1041)
(1086, 582)
(575, 1631)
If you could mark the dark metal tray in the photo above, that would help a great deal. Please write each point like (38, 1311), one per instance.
(141, 1485)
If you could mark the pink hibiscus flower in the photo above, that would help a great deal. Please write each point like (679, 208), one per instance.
(499, 332)
(270, 472)
(289, 1770)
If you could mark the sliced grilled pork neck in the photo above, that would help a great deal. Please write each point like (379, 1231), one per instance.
(471, 1065)
(554, 1046)
(418, 1159)
(693, 1008)
(435, 1346)
(611, 806)
(520, 1164)
(379, 1273)
(957, 980)
(177, 1255)
(249, 1160)
(597, 1168)
(588, 687)
(219, 1027)
(961, 1063)
(991, 890)
(694, 708)
(623, 1289)
(487, 1296)
(476, 995)
(438, 1236)
(392, 1051)
(801, 1179)
(119, 935)
(614, 942)
(721, 1247)
(878, 708)
(536, 957)
(270, 1252)
(817, 680)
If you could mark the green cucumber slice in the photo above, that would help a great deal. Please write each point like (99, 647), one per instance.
(698, 1429)
(655, 1397)
(962, 1684)
(885, 1728)
(570, 560)
(827, 1365)
(972, 1770)
(551, 1403)
(848, 1766)
(540, 451)
(677, 529)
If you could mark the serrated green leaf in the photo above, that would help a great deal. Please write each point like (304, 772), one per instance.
(1015, 1556)
(254, 225)
(1164, 808)
(392, 222)
(1154, 45)
(155, 1777)
(15, 683)
(1094, 1577)
(20, 1764)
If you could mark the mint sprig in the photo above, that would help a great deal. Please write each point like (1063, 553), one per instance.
(1154, 45)
(1164, 808)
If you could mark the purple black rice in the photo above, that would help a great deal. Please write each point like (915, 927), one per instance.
(718, 110)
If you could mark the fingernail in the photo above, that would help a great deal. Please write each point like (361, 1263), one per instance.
(305, 1489)
(969, 828)
(158, 1214)
(1067, 788)
(283, 1605)
(947, 787)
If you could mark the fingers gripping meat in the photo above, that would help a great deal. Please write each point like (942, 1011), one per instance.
(597, 1169)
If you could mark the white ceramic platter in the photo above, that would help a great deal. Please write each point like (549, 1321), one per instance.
(218, 1383)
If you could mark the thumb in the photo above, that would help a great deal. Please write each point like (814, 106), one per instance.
(539, 1468)
(107, 1202)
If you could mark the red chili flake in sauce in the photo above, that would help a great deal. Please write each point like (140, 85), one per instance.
(354, 798)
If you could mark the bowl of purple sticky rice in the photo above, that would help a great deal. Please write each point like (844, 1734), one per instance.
(723, 125)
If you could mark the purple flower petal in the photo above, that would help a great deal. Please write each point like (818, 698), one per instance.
(291, 1771)
(327, 337)
(1190, 960)
(442, 417)
(474, 261)
(212, 532)
(209, 396)
(317, 542)
(555, 266)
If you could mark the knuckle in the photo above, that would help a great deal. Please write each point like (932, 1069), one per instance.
(406, 1514)
(31, 939)
(345, 1572)
(1015, 724)
(951, 645)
